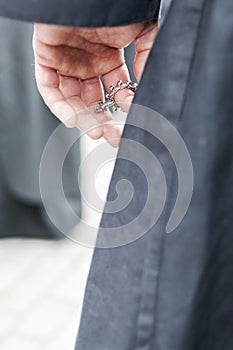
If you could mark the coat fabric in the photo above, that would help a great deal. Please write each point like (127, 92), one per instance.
(170, 292)
(175, 292)
(81, 13)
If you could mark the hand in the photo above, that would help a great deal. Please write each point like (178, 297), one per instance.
(72, 63)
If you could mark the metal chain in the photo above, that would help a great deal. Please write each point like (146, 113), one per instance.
(109, 101)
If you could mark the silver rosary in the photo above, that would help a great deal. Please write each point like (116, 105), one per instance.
(109, 101)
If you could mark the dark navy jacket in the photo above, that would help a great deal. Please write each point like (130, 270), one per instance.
(167, 292)
(82, 13)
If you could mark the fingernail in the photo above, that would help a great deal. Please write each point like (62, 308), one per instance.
(71, 122)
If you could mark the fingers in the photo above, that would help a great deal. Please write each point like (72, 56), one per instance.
(112, 134)
(72, 90)
(62, 96)
(124, 97)
(91, 93)
(48, 85)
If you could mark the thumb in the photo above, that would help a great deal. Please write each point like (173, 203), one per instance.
(123, 97)
(143, 45)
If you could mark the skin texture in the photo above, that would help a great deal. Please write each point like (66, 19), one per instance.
(72, 64)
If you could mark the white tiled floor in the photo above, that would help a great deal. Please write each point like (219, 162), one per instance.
(42, 284)
(41, 290)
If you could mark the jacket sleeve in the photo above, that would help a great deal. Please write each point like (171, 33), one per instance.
(81, 13)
